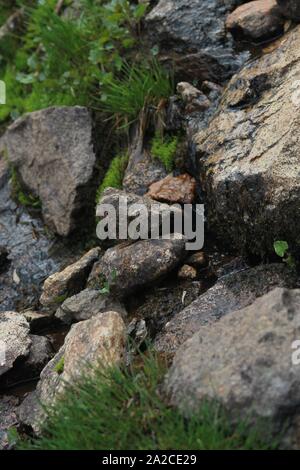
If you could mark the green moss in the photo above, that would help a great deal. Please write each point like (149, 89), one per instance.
(24, 198)
(119, 409)
(59, 368)
(114, 176)
(164, 149)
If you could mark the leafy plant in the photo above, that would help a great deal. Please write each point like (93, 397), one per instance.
(164, 149)
(282, 250)
(114, 176)
(25, 199)
(106, 283)
(119, 409)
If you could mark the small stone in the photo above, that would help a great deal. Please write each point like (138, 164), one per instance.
(258, 20)
(187, 272)
(70, 281)
(198, 260)
(174, 189)
(87, 304)
(194, 99)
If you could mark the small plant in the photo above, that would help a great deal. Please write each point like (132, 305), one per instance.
(282, 250)
(59, 368)
(106, 283)
(120, 409)
(114, 176)
(25, 199)
(138, 88)
(164, 149)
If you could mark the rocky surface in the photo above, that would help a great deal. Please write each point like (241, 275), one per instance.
(52, 151)
(174, 189)
(231, 292)
(245, 362)
(258, 20)
(248, 156)
(8, 420)
(194, 99)
(70, 281)
(290, 8)
(15, 341)
(29, 254)
(192, 35)
(98, 341)
(127, 268)
(87, 304)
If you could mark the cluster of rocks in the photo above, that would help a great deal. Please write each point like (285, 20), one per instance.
(231, 329)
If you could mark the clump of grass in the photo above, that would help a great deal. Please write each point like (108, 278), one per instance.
(164, 149)
(121, 409)
(114, 176)
(139, 87)
(59, 368)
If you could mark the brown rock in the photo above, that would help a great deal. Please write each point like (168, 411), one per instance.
(174, 189)
(194, 99)
(258, 20)
(198, 260)
(187, 272)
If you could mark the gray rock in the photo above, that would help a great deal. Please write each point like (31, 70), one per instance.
(8, 419)
(70, 281)
(52, 151)
(192, 34)
(245, 362)
(290, 8)
(231, 292)
(248, 156)
(87, 304)
(98, 341)
(41, 352)
(15, 341)
(127, 268)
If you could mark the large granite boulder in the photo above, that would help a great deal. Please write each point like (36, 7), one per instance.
(53, 153)
(248, 157)
(248, 362)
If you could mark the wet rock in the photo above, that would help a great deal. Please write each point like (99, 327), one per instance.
(87, 304)
(174, 189)
(52, 151)
(15, 341)
(142, 170)
(192, 36)
(248, 156)
(258, 20)
(231, 292)
(127, 268)
(68, 282)
(194, 99)
(100, 340)
(187, 272)
(245, 362)
(290, 8)
(8, 419)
